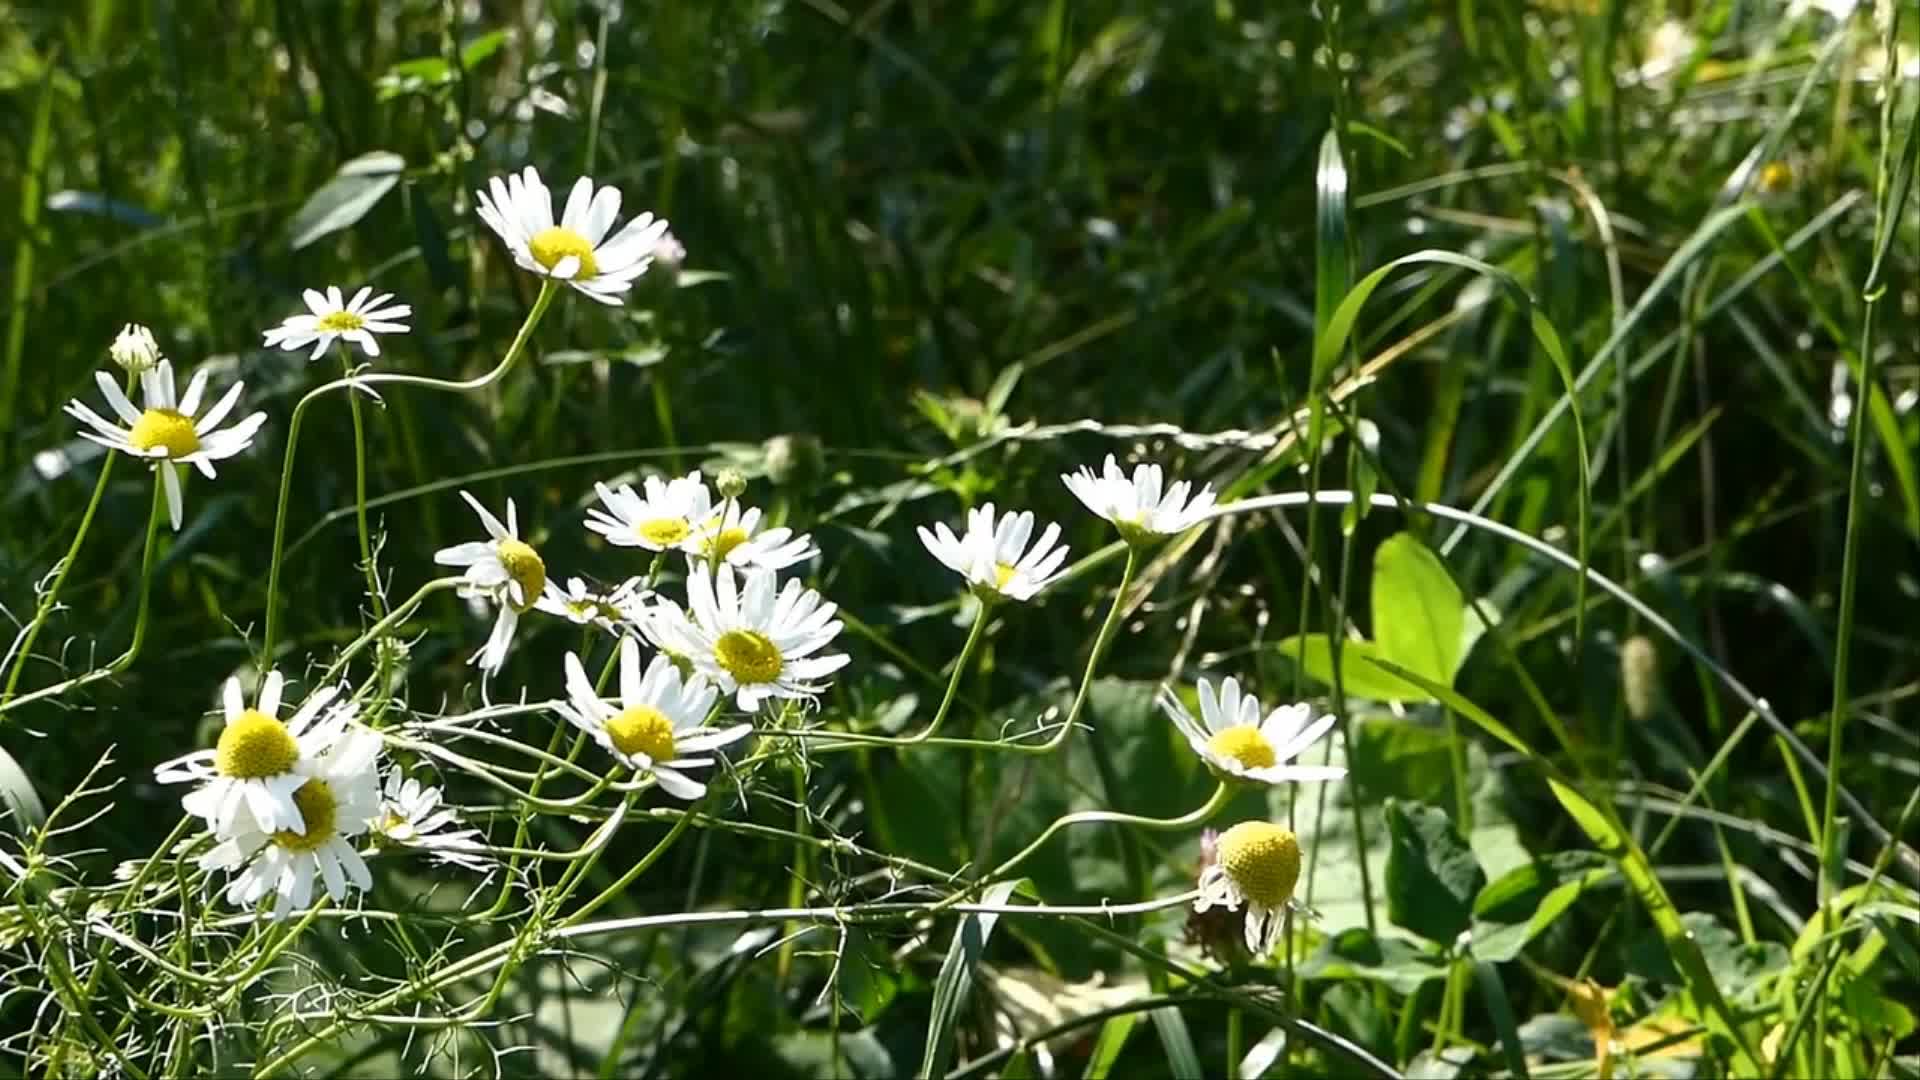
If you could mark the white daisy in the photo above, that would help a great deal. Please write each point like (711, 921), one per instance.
(259, 761)
(339, 801)
(659, 721)
(578, 250)
(1256, 864)
(630, 600)
(581, 606)
(994, 558)
(166, 432)
(503, 569)
(412, 815)
(1137, 506)
(754, 642)
(1232, 739)
(671, 513)
(135, 350)
(734, 537)
(330, 319)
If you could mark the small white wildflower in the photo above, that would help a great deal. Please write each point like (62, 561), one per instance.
(1233, 739)
(259, 761)
(993, 558)
(659, 721)
(330, 318)
(1139, 507)
(578, 250)
(503, 569)
(755, 640)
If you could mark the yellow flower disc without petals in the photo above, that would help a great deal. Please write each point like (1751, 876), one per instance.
(319, 809)
(1245, 745)
(642, 729)
(749, 656)
(524, 566)
(255, 746)
(166, 428)
(1263, 860)
(554, 243)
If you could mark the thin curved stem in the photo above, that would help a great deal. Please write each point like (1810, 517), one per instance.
(539, 309)
(374, 596)
(52, 595)
(959, 670)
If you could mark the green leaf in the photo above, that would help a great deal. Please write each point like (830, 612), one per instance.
(1500, 1010)
(1112, 1040)
(1432, 876)
(354, 190)
(1417, 609)
(1355, 953)
(1333, 263)
(1358, 679)
(1519, 905)
(25, 811)
(1177, 1042)
(955, 982)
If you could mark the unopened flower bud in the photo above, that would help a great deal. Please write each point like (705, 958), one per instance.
(731, 483)
(1639, 676)
(135, 350)
(794, 460)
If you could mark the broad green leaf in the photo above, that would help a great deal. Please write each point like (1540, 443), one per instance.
(1417, 609)
(354, 190)
(1358, 679)
(954, 984)
(1432, 876)
(1516, 907)
(1355, 953)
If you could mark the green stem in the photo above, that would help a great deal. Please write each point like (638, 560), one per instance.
(539, 309)
(52, 595)
(374, 596)
(953, 683)
(1236, 1038)
(119, 663)
(633, 872)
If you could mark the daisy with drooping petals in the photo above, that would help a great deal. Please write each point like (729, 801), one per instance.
(578, 250)
(504, 569)
(755, 641)
(1255, 864)
(660, 720)
(259, 761)
(341, 800)
(734, 537)
(330, 318)
(412, 815)
(1236, 743)
(994, 557)
(1138, 507)
(671, 513)
(166, 432)
(580, 605)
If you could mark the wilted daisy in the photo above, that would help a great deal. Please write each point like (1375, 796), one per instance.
(1256, 864)
(339, 801)
(578, 250)
(754, 640)
(1139, 507)
(166, 432)
(994, 558)
(1233, 740)
(734, 537)
(259, 761)
(660, 720)
(669, 515)
(579, 604)
(503, 569)
(329, 319)
(134, 349)
(413, 815)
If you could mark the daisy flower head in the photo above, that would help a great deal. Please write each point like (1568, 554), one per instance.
(580, 605)
(1255, 865)
(578, 250)
(658, 728)
(1237, 744)
(412, 814)
(166, 432)
(502, 568)
(753, 639)
(339, 801)
(671, 513)
(134, 349)
(330, 318)
(994, 558)
(1139, 507)
(734, 536)
(259, 761)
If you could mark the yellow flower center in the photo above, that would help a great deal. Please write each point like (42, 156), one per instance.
(1245, 745)
(319, 809)
(167, 428)
(663, 533)
(255, 746)
(552, 244)
(339, 322)
(1002, 573)
(524, 566)
(748, 656)
(1263, 860)
(722, 543)
(642, 729)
